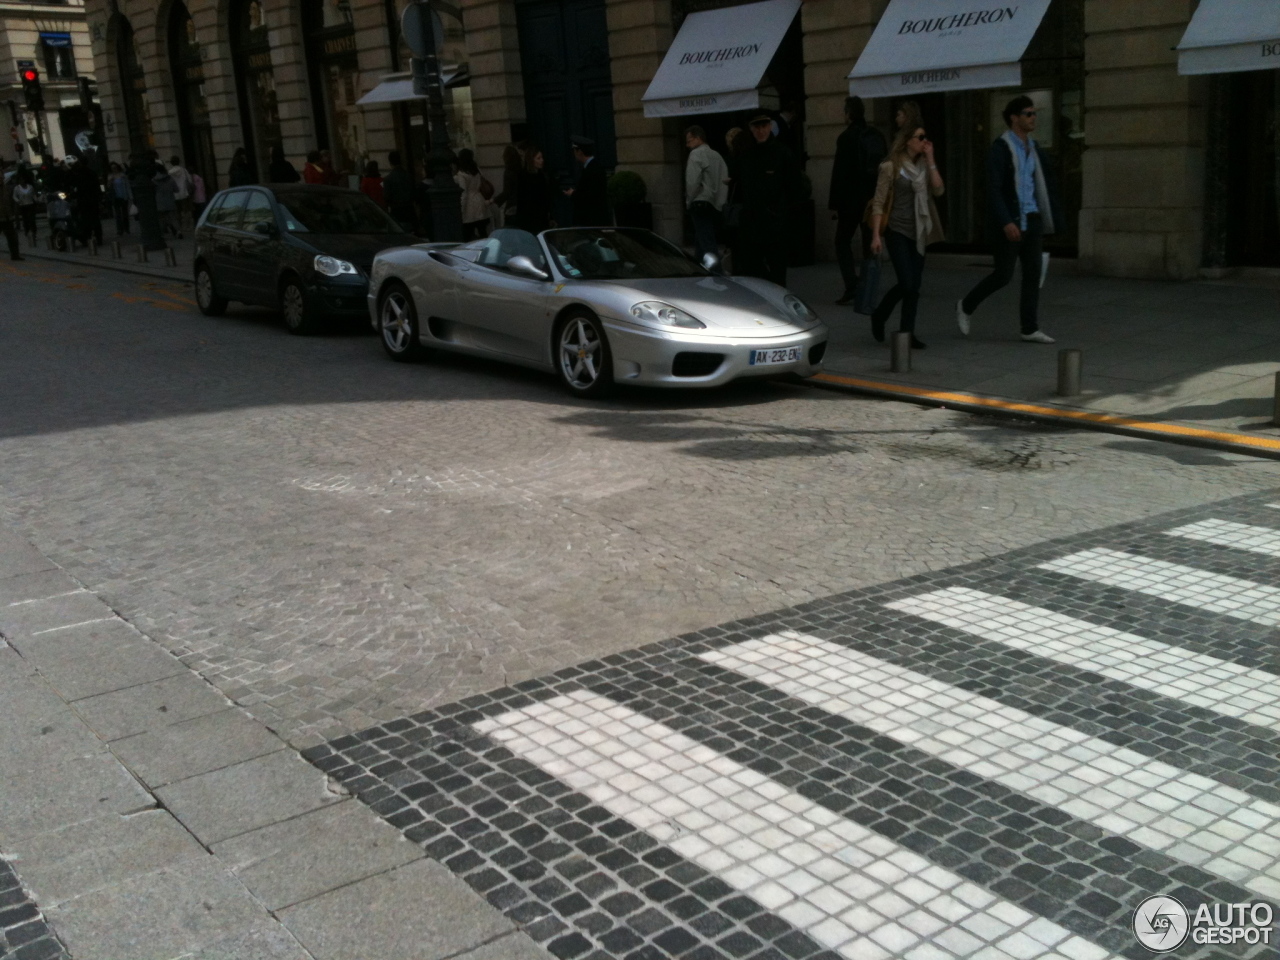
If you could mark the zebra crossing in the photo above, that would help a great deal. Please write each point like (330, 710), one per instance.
(1003, 760)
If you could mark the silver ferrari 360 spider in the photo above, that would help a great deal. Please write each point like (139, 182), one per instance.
(595, 305)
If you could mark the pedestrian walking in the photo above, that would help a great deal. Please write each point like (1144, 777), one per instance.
(905, 219)
(182, 191)
(589, 194)
(770, 176)
(706, 191)
(280, 169)
(166, 202)
(24, 197)
(199, 197)
(371, 184)
(506, 198)
(535, 191)
(475, 205)
(311, 172)
(1020, 208)
(87, 191)
(397, 191)
(240, 174)
(9, 215)
(860, 150)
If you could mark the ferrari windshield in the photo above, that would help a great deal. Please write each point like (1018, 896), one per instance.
(326, 212)
(604, 254)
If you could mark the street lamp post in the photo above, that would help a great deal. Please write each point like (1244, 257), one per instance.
(423, 33)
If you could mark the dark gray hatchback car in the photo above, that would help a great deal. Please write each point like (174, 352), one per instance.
(302, 248)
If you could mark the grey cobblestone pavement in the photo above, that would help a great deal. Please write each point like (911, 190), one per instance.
(24, 934)
(334, 540)
(456, 590)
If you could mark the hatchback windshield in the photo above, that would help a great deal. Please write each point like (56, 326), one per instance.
(603, 254)
(324, 212)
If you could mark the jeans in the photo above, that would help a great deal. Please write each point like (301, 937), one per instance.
(846, 230)
(10, 230)
(908, 264)
(705, 219)
(1007, 254)
(121, 208)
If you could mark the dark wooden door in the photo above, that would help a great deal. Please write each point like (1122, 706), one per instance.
(564, 53)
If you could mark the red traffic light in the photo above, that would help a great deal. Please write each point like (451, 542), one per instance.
(30, 75)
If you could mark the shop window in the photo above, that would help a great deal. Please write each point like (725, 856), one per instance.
(186, 62)
(334, 72)
(59, 58)
(255, 81)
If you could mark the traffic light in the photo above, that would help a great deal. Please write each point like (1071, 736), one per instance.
(31, 88)
(88, 92)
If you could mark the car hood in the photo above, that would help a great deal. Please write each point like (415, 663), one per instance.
(357, 248)
(731, 306)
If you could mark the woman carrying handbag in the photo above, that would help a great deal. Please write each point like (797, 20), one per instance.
(904, 218)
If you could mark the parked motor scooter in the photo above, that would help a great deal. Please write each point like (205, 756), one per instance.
(61, 222)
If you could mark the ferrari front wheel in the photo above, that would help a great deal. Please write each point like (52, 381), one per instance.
(398, 324)
(582, 355)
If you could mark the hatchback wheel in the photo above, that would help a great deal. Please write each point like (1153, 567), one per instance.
(582, 355)
(398, 323)
(298, 317)
(207, 299)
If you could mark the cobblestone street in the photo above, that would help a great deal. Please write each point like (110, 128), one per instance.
(338, 543)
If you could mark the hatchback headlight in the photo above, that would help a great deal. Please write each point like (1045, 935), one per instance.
(333, 267)
(655, 311)
(799, 309)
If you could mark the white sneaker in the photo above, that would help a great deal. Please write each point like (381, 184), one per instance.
(1038, 337)
(962, 318)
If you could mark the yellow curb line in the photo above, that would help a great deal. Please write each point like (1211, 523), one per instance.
(1150, 429)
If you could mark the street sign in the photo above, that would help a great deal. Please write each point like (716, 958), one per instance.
(422, 28)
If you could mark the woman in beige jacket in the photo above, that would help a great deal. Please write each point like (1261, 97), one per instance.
(905, 219)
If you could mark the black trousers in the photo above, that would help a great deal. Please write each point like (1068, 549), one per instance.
(908, 264)
(11, 235)
(1008, 254)
(762, 249)
(846, 230)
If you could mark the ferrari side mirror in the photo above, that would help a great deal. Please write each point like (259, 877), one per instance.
(526, 268)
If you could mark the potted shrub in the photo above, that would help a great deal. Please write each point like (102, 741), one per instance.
(627, 192)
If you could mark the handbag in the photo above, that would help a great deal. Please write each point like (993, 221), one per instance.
(486, 188)
(867, 292)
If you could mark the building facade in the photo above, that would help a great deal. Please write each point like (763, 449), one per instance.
(54, 39)
(1161, 175)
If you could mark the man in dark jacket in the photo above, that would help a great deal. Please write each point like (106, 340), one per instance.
(397, 191)
(1020, 207)
(9, 213)
(769, 177)
(590, 194)
(860, 149)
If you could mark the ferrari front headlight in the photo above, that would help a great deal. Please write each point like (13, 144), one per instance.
(799, 309)
(655, 311)
(332, 266)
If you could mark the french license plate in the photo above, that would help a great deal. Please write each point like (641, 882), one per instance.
(761, 358)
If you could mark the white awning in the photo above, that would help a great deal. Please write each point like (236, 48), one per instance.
(1225, 36)
(398, 87)
(718, 58)
(921, 46)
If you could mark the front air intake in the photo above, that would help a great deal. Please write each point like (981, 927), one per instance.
(696, 364)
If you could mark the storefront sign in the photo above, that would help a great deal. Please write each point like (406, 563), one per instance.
(718, 58)
(337, 45)
(921, 46)
(1228, 36)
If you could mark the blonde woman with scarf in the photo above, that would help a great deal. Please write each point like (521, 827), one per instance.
(905, 219)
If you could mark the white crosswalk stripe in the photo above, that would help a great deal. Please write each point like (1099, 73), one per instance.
(1194, 678)
(1228, 533)
(846, 887)
(1216, 592)
(1187, 816)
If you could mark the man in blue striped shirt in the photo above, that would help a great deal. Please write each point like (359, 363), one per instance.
(1020, 207)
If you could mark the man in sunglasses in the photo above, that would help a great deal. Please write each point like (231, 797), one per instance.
(1020, 208)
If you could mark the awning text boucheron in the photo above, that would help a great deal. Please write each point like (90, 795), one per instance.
(959, 20)
(724, 53)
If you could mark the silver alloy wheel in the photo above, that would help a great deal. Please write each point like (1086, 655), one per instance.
(580, 353)
(294, 306)
(397, 327)
(204, 289)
